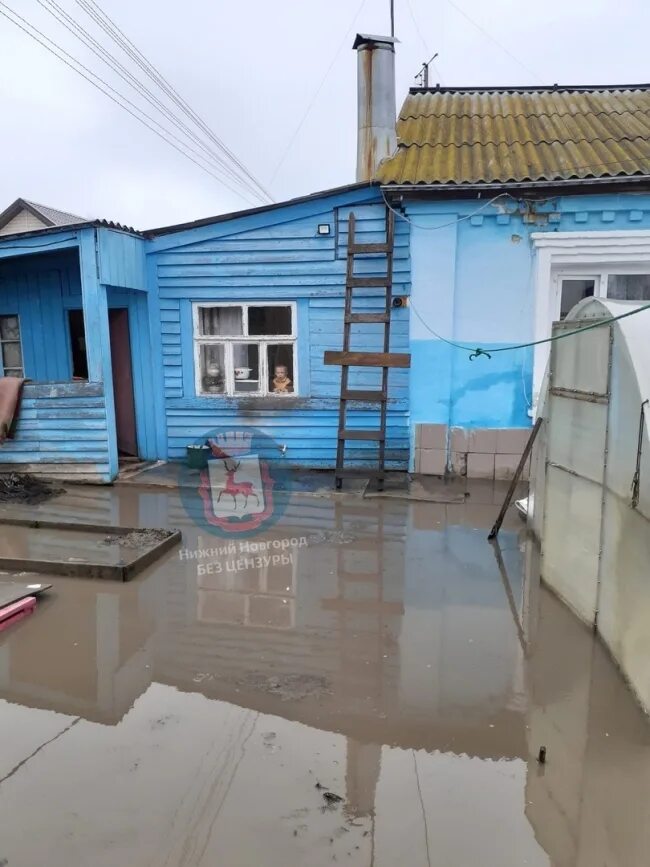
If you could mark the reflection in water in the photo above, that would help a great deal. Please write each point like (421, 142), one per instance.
(392, 657)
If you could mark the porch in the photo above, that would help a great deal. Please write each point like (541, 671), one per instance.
(76, 323)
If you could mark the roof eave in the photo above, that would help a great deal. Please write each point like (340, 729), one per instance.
(510, 185)
(261, 209)
(73, 227)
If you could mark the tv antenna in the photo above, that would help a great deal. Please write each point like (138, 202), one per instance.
(423, 74)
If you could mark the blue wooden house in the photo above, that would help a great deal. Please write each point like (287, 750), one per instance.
(139, 344)
(511, 205)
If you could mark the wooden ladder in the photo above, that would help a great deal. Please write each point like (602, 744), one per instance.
(348, 358)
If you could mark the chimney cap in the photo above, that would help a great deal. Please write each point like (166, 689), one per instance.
(368, 38)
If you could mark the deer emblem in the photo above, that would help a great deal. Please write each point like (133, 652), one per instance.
(232, 487)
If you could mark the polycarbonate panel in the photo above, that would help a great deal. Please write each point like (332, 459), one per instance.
(577, 436)
(624, 600)
(580, 362)
(572, 540)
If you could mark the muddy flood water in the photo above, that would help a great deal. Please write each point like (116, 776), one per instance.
(377, 696)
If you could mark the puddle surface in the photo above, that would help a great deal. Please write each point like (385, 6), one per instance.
(215, 709)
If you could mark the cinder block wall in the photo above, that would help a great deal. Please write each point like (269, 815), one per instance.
(482, 453)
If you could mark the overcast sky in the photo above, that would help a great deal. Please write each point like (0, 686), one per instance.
(251, 69)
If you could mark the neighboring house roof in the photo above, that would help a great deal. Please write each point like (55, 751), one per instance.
(29, 215)
(514, 135)
(261, 209)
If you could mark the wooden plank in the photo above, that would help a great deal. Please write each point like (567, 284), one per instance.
(367, 473)
(368, 282)
(369, 395)
(368, 359)
(366, 606)
(63, 389)
(355, 249)
(367, 317)
(347, 434)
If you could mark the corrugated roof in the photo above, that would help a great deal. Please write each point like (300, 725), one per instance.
(498, 135)
(54, 216)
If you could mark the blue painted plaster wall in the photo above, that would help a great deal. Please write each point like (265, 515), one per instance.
(279, 256)
(473, 282)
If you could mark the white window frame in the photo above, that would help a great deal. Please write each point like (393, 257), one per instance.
(261, 340)
(19, 342)
(582, 256)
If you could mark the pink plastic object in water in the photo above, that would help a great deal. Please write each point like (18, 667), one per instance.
(11, 614)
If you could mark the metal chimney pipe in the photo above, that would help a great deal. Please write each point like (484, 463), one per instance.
(376, 138)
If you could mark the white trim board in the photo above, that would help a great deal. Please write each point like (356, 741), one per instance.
(587, 252)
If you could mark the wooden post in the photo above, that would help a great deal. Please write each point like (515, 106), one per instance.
(98, 344)
(515, 479)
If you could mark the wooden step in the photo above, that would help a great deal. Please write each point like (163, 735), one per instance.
(355, 249)
(368, 282)
(367, 317)
(368, 359)
(366, 606)
(361, 473)
(349, 434)
(360, 577)
(370, 395)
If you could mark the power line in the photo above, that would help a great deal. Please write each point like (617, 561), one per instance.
(96, 13)
(451, 222)
(87, 39)
(489, 36)
(310, 105)
(476, 352)
(115, 96)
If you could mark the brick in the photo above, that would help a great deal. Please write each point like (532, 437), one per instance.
(480, 466)
(483, 441)
(505, 466)
(459, 463)
(433, 436)
(433, 462)
(512, 441)
(458, 439)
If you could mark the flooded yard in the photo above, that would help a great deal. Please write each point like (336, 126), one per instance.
(369, 683)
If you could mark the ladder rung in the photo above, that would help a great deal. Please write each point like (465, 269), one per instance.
(369, 248)
(367, 317)
(371, 395)
(358, 472)
(368, 282)
(367, 359)
(359, 577)
(347, 434)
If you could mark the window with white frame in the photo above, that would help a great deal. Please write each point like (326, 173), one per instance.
(245, 349)
(571, 266)
(11, 354)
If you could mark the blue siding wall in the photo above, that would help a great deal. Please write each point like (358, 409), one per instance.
(121, 260)
(37, 289)
(279, 256)
(67, 428)
(473, 282)
(61, 431)
(62, 425)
